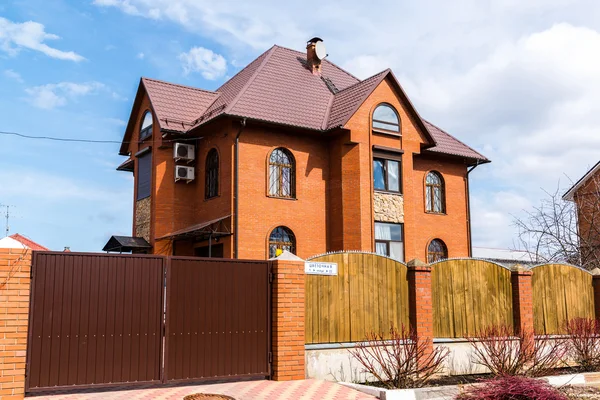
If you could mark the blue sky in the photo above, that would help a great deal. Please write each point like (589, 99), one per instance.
(519, 82)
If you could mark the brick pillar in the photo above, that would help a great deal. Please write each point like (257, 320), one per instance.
(596, 285)
(288, 320)
(420, 302)
(522, 301)
(15, 265)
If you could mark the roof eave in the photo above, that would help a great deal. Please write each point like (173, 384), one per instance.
(569, 195)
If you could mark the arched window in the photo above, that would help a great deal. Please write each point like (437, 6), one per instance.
(281, 238)
(146, 127)
(386, 118)
(211, 188)
(436, 251)
(435, 201)
(282, 182)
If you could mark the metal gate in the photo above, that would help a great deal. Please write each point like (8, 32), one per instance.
(101, 320)
(218, 319)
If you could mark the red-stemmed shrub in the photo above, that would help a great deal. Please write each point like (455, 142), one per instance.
(400, 361)
(583, 343)
(512, 388)
(498, 349)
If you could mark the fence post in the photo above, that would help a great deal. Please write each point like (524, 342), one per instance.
(596, 285)
(522, 296)
(15, 265)
(420, 302)
(288, 318)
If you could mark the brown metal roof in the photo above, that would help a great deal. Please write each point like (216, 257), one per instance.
(214, 227)
(278, 88)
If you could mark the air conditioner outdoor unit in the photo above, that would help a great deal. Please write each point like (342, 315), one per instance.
(183, 173)
(185, 152)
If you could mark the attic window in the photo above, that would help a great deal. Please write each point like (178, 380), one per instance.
(386, 118)
(146, 128)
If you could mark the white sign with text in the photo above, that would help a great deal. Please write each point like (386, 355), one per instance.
(321, 268)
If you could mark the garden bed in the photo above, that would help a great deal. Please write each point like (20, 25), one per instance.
(450, 386)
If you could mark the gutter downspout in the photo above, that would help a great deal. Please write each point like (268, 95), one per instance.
(237, 188)
(468, 189)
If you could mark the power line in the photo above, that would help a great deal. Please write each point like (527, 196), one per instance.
(58, 139)
(62, 139)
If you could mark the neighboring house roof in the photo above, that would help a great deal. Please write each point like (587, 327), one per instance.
(571, 192)
(277, 87)
(506, 256)
(18, 241)
(126, 244)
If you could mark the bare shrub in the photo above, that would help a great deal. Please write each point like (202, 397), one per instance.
(583, 343)
(504, 353)
(513, 388)
(403, 361)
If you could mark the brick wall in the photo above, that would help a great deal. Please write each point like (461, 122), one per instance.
(420, 302)
(15, 265)
(288, 320)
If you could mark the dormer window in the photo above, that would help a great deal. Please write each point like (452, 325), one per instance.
(385, 118)
(146, 128)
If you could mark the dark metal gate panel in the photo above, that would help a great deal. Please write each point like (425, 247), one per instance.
(95, 319)
(218, 319)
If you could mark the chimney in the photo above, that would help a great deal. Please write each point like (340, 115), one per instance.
(315, 53)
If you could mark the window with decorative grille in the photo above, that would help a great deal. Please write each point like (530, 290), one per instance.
(212, 174)
(436, 251)
(281, 238)
(282, 171)
(435, 201)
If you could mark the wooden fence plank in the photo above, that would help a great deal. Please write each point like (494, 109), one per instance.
(369, 293)
(469, 295)
(560, 292)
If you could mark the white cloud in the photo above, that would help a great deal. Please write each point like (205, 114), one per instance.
(141, 56)
(209, 64)
(31, 35)
(55, 95)
(9, 73)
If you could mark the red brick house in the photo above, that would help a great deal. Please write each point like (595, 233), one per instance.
(585, 193)
(295, 153)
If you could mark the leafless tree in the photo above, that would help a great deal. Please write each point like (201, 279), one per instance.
(560, 230)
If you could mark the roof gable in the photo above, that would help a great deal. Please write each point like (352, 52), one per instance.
(582, 181)
(27, 243)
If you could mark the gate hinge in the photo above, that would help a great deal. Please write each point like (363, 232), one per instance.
(270, 277)
(270, 357)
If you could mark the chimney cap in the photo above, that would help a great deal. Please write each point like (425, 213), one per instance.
(314, 40)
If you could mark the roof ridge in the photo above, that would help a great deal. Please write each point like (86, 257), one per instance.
(268, 55)
(144, 78)
(455, 138)
(364, 80)
(245, 68)
(329, 62)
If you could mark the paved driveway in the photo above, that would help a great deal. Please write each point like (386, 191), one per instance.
(255, 390)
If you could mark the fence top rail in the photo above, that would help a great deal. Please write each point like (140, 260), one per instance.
(218, 260)
(470, 259)
(74, 253)
(560, 263)
(332, 253)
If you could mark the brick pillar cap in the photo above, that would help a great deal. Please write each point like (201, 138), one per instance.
(416, 263)
(287, 256)
(520, 268)
(596, 272)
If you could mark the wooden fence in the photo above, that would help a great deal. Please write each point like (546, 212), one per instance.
(369, 294)
(469, 295)
(560, 293)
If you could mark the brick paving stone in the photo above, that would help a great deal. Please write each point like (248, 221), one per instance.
(254, 390)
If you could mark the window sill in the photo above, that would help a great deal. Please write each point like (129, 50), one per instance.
(388, 133)
(282, 198)
(212, 198)
(388, 192)
(435, 213)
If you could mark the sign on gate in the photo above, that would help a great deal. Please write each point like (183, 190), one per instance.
(321, 268)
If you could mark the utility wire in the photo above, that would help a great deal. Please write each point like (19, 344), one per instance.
(59, 139)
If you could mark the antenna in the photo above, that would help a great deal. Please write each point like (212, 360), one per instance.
(7, 216)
